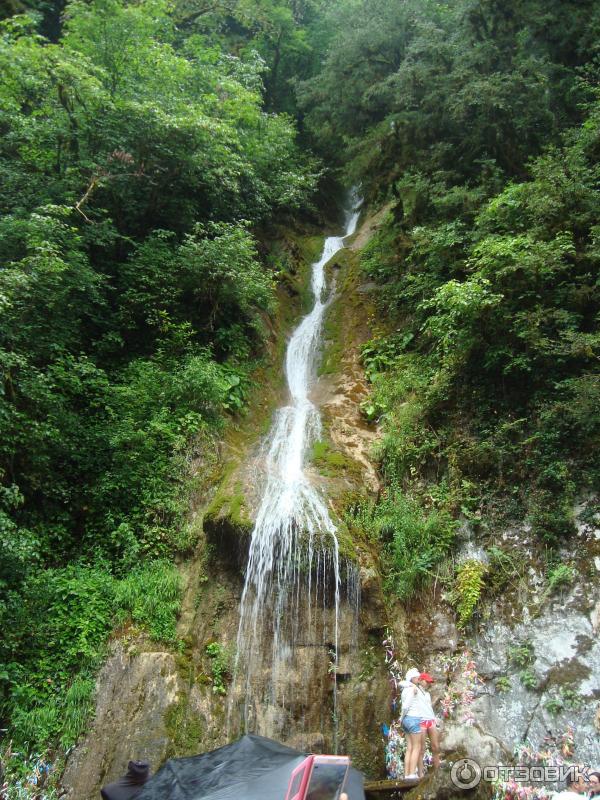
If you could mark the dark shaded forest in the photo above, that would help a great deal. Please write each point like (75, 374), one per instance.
(479, 122)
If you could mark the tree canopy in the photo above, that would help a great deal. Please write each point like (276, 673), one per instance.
(137, 161)
(478, 122)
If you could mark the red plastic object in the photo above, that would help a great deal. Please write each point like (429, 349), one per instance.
(318, 778)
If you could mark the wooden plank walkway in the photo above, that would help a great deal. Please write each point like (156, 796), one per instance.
(386, 790)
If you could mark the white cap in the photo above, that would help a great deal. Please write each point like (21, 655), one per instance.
(413, 672)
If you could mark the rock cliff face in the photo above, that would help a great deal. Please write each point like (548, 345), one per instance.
(153, 704)
(535, 652)
(135, 693)
(566, 676)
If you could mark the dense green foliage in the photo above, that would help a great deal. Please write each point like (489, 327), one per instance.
(499, 372)
(479, 122)
(417, 540)
(287, 36)
(136, 161)
(467, 87)
(61, 618)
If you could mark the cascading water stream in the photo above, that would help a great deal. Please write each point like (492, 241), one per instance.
(294, 551)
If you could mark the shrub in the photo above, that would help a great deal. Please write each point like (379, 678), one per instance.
(414, 540)
(503, 568)
(219, 667)
(560, 576)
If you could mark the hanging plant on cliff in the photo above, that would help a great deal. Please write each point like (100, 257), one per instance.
(467, 589)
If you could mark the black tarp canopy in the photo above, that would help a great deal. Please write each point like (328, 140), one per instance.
(253, 768)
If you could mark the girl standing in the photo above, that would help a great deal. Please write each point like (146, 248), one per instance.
(428, 721)
(410, 719)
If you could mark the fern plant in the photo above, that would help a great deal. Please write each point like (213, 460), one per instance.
(468, 586)
(219, 667)
(560, 576)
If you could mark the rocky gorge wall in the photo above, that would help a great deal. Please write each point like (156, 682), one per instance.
(154, 703)
(534, 651)
(533, 683)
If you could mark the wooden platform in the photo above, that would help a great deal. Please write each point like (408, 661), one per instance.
(386, 790)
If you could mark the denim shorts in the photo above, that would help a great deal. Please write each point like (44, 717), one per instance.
(412, 725)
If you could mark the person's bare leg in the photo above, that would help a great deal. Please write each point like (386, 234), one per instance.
(407, 755)
(419, 769)
(434, 739)
(412, 755)
(420, 766)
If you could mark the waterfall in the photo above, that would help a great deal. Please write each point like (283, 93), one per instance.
(294, 563)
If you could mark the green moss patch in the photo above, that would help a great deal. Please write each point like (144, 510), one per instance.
(185, 728)
(332, 463)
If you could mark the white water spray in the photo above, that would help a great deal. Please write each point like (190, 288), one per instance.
(294, 536)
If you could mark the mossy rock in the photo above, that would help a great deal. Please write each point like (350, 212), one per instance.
(185, 728)
(227, 523)
(294, 253)
(332, 463)
(229, 541)
(228, 519)
(333, 351)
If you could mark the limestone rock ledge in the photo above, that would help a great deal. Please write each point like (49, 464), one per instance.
(135, 690)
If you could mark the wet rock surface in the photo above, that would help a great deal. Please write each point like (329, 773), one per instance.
(536, 651)
(438, 785)
(155, 704)
(342, 386)
(135, 690)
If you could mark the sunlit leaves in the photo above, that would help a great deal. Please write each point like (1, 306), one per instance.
(459, 307)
